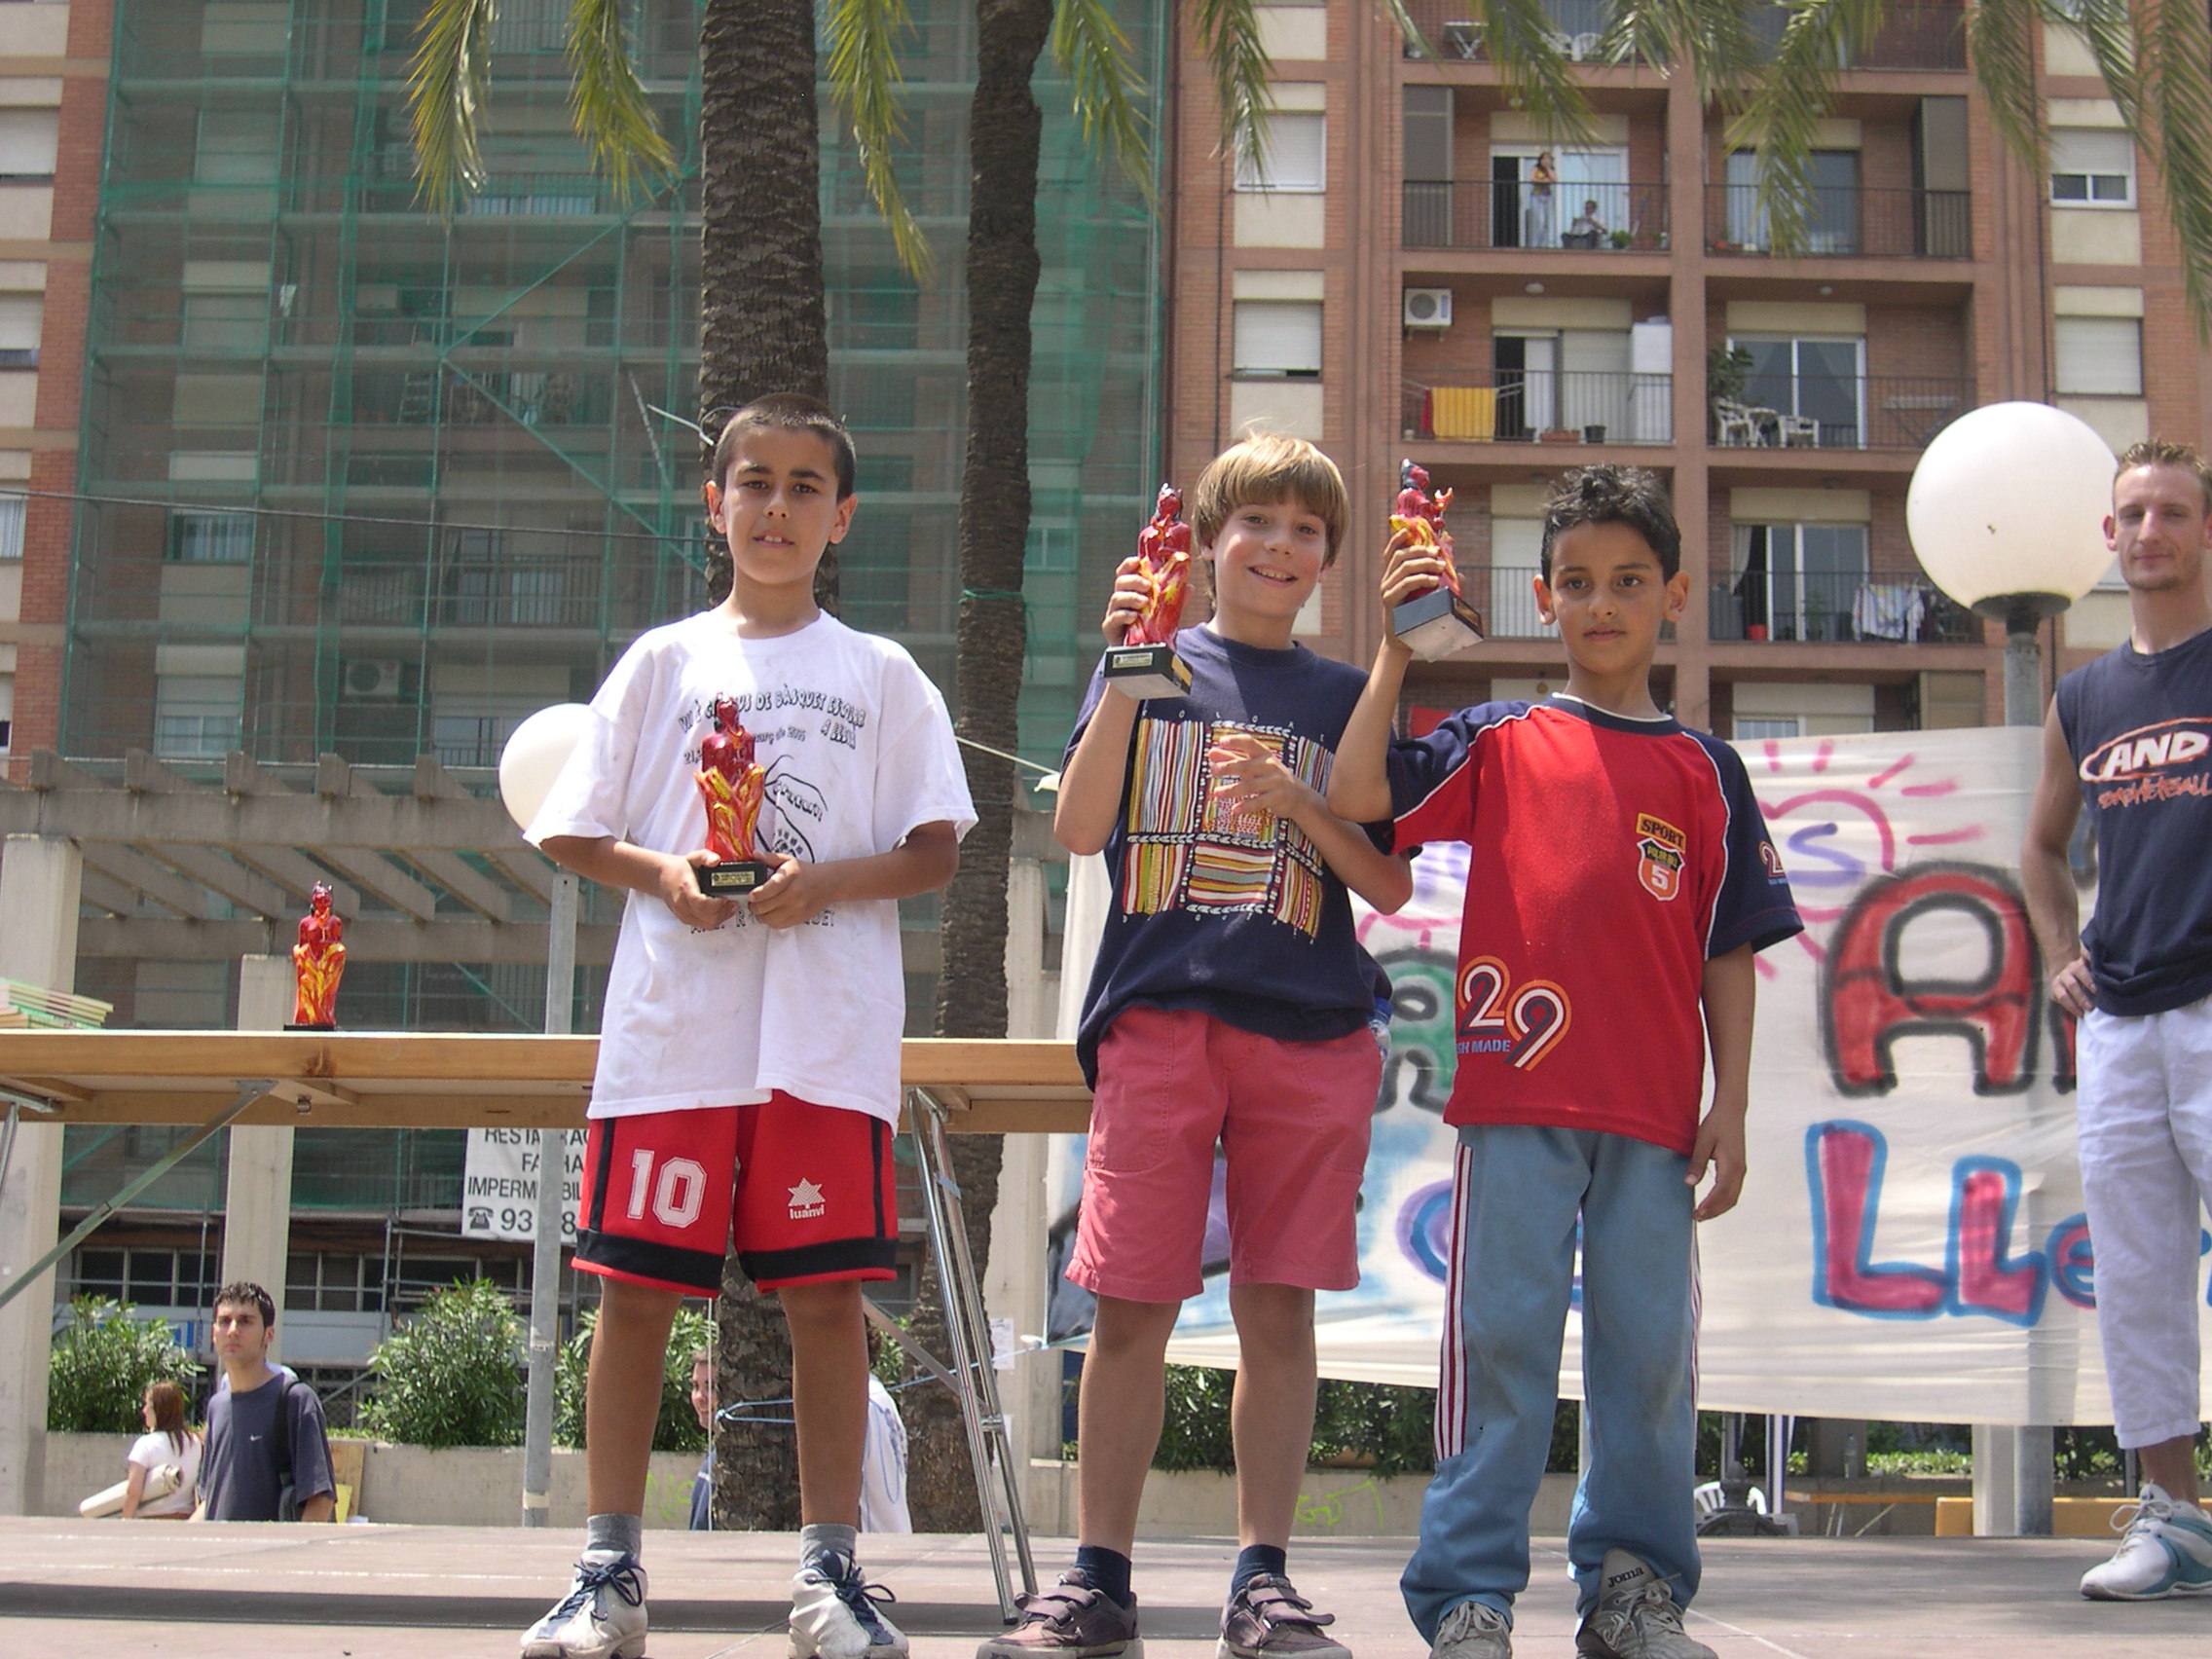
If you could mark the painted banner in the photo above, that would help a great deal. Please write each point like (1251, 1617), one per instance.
(499, 1189)
(1910, 1244)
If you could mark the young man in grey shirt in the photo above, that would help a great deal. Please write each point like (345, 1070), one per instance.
(264, 1425)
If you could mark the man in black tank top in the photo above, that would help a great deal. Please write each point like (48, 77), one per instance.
(2131, 736)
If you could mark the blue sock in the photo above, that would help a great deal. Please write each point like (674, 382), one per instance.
(1252, 1560)
(1107, 1569)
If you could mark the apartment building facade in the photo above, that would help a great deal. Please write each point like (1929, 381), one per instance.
(1418, 270)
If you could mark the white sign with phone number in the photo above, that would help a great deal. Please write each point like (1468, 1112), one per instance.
(499, 1195)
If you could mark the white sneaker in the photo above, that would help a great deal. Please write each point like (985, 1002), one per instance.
(2165, 1550)
(1473, 1630)
(1636, 1616)
(603, 1616)
(837, 1615)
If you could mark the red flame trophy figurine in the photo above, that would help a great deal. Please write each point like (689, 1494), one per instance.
(1440, 621)
(1145, 664)
(319, 961)
(733, 784)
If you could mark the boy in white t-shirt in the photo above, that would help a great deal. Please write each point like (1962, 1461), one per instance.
(762, 1033)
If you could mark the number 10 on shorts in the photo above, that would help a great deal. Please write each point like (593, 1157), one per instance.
(676, 1194)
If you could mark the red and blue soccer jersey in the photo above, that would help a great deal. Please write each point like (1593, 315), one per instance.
(1610, 859)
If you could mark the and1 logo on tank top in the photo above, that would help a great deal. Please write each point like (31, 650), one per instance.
(2139, 730)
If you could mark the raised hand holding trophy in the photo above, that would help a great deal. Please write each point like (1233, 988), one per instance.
(733, 784)
(319, 961)
(1441, 621)
(1145, 664)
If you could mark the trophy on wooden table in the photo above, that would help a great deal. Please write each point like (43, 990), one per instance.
(733, 784)
(1441, 621)
(1145, 664)
(319, 961)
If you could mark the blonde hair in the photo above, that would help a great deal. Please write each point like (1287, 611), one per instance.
(1263, 470)
(2159, 452)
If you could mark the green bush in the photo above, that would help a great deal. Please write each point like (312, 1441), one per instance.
(676, 1429)
(103, 1365)
(1391, 1427)
(451, 1375)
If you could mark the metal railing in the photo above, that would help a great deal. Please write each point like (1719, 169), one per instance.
(1885, 412)
(1920, 34)
(1454, 28)
(1912, 36)
(1558, 406)
(1836, 606)
(1846, 222)
(1499, 213)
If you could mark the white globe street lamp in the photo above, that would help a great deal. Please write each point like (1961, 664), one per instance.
(2006, 514)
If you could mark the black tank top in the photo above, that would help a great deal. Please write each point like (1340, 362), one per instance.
(2140, 731)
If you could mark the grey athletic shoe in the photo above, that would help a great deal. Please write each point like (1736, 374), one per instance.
(1636, 1616)
(1473, 1630)
(603, 1616)
(1268, 1619)
(1075, 1619)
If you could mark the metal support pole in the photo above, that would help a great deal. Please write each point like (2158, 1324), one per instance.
(2023, 674)
(998, 1485)
(545, 1251)
(249, 1090)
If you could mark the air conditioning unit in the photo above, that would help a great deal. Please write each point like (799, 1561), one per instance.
(372, 679)
(1428, 308)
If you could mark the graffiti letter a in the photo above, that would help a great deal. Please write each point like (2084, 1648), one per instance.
(1868, 1000)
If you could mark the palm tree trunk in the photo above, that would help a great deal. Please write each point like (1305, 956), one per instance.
(1003, 136)
(762, 329)
(762, 326)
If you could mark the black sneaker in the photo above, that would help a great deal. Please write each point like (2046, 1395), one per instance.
(1268, 1619)
(1075, 1619)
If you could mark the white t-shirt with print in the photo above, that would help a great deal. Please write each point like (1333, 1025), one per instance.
(859, 752)
(151, 1451)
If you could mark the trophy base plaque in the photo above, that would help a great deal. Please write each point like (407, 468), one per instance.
(326, 1025)
(726, 880)
(1148, 671)
(1436, 624)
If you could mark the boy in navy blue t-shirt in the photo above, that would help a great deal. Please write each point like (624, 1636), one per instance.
(1230, 1003)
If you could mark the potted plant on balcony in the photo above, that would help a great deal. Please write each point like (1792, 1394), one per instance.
(1726, 370)
(1621, 239)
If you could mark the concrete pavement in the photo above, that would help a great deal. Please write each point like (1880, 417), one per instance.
(103, 1590)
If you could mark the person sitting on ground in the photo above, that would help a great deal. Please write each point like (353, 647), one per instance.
(166, 1444)
(266, 1457)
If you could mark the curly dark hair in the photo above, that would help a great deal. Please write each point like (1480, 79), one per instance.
(1614, 495)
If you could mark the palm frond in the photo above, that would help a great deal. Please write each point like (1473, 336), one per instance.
(1785, 112)
(1229, 31)
(1409, 31)
(1525, 43)
(609, 102)
(2175, 57)
(1724, 52)
(1093, 51)
(2001, 46)
(862, 67)
(447, 79)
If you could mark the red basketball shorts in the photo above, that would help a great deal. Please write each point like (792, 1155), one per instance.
(804, 1193)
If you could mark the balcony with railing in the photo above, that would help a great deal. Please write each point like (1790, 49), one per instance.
(1837, 607)
(1912, 36)
(1552, 406)
(1481, 213)
(1871, 411)
(1845, 222)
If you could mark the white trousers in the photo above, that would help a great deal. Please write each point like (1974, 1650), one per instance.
(2144, 1115)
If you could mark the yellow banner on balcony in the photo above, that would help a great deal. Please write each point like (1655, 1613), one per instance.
(1463, 414)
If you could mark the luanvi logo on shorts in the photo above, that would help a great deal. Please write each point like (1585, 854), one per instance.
(2152, 763)
(806, 1201)
(1659, 853)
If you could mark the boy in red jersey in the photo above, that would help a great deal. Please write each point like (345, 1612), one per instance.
(1620, 880)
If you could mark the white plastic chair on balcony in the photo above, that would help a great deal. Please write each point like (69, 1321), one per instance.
(1799, 431)
(1734, 425)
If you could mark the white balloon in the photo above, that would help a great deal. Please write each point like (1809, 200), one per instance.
(534, 756)
(2011, 499)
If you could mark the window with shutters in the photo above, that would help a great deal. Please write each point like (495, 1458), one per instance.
(1294, 155)
(28, 142)
(1278, 340)
(2092, 168)
(22, 319)
(2100, 356)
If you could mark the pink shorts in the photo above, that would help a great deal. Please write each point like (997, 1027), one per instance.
(1292, 1120)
